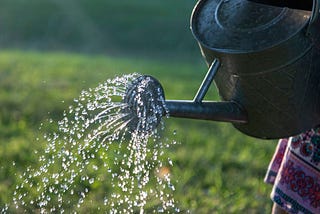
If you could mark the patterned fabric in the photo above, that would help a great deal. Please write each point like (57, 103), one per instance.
(295, 173)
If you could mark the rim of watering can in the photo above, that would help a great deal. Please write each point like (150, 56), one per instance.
(211, 33)
(314, 15)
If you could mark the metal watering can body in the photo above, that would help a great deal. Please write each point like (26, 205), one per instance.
(269, 62)
(265, 62)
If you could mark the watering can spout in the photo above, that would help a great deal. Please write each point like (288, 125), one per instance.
(145, 97)
(228, 111)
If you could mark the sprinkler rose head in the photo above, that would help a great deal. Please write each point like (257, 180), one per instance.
(145, 104)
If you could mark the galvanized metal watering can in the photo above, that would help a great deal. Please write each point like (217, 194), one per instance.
(265, 62)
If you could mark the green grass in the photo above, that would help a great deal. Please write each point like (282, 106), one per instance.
(216, 168)
(52, 50)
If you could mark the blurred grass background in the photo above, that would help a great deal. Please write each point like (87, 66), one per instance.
(53, 49)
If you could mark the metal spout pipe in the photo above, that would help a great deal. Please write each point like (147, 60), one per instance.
(146, 91)
(228, 111)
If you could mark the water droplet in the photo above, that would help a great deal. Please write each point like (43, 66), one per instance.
(91, 180)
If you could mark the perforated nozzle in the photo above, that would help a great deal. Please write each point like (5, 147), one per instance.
(145, 103)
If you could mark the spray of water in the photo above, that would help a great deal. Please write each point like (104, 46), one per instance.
(106, 145)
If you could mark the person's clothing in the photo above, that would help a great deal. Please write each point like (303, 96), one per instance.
(295, 173)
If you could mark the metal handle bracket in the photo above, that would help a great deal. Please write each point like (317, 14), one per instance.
(203, 89)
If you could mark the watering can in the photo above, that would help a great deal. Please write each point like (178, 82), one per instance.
(265, 61)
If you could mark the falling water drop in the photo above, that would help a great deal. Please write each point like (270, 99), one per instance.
(91, 180)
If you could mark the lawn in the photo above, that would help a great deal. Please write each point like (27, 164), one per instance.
(216, 169)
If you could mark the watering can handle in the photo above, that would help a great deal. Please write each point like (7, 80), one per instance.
(314, 15)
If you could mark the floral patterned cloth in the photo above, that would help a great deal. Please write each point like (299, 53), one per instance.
(295, 173)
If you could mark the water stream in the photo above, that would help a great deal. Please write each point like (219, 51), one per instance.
(99, 146)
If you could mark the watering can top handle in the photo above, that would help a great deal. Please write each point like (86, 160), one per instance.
(315, 13)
